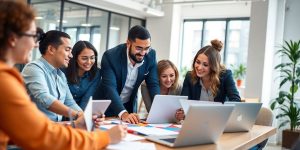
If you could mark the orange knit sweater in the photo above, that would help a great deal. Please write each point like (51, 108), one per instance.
(22, 123)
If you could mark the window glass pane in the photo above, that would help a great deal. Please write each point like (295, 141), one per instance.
(214, 30)
(47, 18)
(118, 30)
(237, 42)
(75, 22)
(191, 43)
(99, 20)
(135, 22)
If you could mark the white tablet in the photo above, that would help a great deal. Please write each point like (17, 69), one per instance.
(163, 109)
(100, 106)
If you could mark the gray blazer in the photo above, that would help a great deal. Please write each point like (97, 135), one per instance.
(146, 96)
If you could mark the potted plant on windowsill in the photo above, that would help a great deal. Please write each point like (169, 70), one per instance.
(239, 74)
(289, 111)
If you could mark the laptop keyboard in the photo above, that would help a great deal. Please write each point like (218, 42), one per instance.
(171, 140)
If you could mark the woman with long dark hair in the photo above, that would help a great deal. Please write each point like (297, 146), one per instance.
(82, 74)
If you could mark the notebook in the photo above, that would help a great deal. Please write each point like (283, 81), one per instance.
(163, 108)
(203, 124)
(243, 116)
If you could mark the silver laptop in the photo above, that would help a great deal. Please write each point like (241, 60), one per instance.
(185, 104)
(163, 108)
(243, 116)
(203, 124)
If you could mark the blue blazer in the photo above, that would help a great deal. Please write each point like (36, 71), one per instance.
(114, 72)
(227, 89)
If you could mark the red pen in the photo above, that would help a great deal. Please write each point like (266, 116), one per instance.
(131, 131)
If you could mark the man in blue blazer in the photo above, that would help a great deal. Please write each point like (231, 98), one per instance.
(124, 68)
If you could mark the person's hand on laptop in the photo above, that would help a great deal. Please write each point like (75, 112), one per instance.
(117, 133)
(132, 118)
(179, 115)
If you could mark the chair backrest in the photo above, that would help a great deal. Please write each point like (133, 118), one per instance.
(265, 118)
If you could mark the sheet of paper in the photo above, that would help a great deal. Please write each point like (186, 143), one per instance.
(132, 137)
(160, 125)
(131, 146)
(152, 131)
(129, 137)
(88, 115)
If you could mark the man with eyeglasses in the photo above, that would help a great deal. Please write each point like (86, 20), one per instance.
(46, 83)
(123, 69)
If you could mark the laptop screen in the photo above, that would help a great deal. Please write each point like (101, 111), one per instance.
(170, 140)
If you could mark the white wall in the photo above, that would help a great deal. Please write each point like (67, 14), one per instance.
(221, 10)
(292, 25)
(166, 31)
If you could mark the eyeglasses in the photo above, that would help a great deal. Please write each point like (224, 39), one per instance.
(36, 37)
(138, 48)
(86, 58)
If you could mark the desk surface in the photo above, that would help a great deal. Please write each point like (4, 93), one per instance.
(228, 141)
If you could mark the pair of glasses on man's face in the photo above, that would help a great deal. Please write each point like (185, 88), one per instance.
(140, 49)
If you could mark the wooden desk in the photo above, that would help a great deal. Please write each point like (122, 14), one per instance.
(228, 141)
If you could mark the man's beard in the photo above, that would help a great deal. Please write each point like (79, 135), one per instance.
(133, 57)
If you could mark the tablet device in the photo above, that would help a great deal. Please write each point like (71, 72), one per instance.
(99, 106)
(163, 108)
(94, 107)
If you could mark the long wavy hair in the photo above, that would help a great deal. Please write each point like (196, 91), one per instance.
(216, 68)
(162, 65)
(72, 70)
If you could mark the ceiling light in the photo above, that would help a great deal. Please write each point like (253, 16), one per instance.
(64, 21)
(86, 24)
(39, 18)
(114, 28)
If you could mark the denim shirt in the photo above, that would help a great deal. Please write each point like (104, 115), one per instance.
(84, 89)
(45, 84)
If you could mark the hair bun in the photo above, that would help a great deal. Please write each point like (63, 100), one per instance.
(218, 45)
(42, 37)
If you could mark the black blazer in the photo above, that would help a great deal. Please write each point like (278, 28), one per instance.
(114, 72)
(227, 89)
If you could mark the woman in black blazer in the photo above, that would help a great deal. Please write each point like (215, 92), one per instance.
(209, 80)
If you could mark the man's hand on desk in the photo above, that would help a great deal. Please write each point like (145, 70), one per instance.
(132, 118)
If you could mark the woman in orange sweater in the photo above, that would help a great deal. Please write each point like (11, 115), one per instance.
(20, 120)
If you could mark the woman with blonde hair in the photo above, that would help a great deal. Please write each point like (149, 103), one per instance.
(209, 80)
(168, 80)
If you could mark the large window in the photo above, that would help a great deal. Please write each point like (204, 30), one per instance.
(104, 29)
(232, 32)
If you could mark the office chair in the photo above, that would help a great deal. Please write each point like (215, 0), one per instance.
(265, 118)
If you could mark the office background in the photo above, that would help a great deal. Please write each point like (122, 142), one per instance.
(252, 31)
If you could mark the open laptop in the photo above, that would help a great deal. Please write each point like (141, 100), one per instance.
(243, 116)
(203, 124)
(185, 104)
(163, 108)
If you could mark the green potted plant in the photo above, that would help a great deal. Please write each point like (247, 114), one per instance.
(289, 112)
(239, 73)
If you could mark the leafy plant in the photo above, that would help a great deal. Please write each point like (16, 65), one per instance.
(290, 74)
(239, 71)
